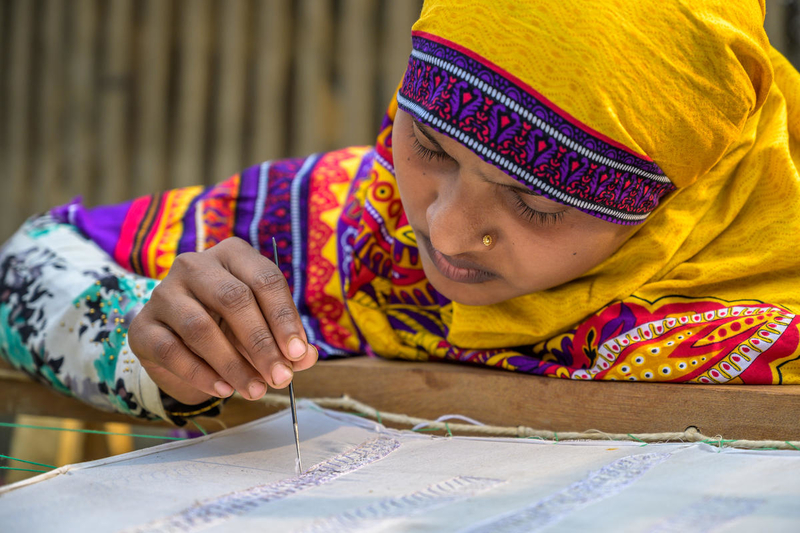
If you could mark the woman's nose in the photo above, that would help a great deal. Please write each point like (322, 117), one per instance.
(456, 220)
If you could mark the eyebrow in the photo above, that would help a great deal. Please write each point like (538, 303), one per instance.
(424, 130)
(521, 189)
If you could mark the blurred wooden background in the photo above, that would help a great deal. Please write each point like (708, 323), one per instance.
(118, 98)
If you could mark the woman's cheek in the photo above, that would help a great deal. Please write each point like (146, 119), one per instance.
(413, 191)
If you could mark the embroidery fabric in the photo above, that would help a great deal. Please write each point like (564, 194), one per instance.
(428, 499)
(709, 514)
(211, 512)
(599, 485)
(241, 480)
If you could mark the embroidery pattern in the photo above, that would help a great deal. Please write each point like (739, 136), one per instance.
(329, 184)
(673, 339)
(709, 514)
(730, 338)
(509, 125)
(599, 485)
(215, 214)
(217, 510)
(438, 495)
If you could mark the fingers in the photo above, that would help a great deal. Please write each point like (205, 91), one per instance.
(202, 335)
(177, 333)
(310, 359)
(160, 350)
(222, 319)
(255, 301)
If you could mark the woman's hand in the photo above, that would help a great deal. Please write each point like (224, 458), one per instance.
(221, 320)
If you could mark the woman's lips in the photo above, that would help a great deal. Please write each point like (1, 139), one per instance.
(458, 270)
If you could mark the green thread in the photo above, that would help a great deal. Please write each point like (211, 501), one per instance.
(792, 445)
(720, 442)
(378, 416)
(555, 436)
(447, 427)
(198, 426)
(93, 431)
(23, 469)
(24, 461)
(638, 440)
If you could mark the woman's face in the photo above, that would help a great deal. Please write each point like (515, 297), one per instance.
(453, 199)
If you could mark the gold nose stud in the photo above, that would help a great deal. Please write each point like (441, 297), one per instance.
(487, 240)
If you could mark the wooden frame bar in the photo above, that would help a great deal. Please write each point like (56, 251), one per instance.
(496, 397)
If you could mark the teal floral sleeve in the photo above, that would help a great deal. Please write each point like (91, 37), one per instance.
(65, 309)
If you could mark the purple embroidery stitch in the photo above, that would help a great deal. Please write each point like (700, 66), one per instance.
(438, 495)
(216, 510)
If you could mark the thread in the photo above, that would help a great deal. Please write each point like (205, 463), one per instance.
(637, 439)
(23, 469)
(690, 434)
(198, 426)
(93, 431)
(25, 461)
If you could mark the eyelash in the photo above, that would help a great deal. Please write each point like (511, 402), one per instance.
(526, 211)
(427, 154)
(540, 217)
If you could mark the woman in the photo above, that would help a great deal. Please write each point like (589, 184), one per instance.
(585, 190)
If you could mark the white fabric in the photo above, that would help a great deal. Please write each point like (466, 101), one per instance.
(367, 477)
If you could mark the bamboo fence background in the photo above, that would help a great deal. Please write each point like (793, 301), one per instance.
(118, 98)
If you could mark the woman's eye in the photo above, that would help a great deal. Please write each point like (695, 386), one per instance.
(426, 153)
(540, 217)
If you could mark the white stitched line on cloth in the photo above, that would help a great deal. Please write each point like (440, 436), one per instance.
(438, 495)
(708, 514)
(215, 510)
(598, 485)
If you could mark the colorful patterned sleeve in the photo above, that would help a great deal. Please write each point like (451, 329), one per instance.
(73, 280)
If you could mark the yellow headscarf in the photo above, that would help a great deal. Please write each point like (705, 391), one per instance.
(696, 88)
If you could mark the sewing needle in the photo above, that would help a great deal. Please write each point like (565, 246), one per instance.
(299, 463)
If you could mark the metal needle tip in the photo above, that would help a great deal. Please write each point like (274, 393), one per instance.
(298, 466)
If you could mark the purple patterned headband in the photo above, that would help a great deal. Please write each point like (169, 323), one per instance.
(510, 125)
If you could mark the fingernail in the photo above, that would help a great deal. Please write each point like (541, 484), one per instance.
(257, 389)
(281, 374)
(223, 389)
(297, 348)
